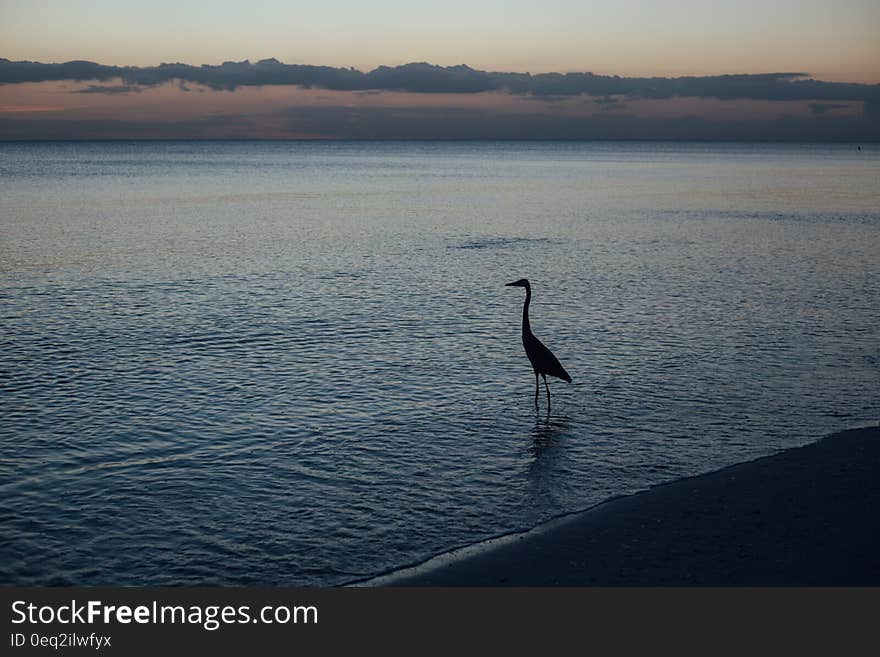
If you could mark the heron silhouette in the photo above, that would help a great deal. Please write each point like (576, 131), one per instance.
(542, 359)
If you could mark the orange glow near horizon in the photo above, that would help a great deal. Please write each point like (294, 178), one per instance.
(290, 112)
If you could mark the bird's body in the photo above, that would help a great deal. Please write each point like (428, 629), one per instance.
(542, 359)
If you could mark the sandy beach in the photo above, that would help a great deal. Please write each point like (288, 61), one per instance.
(807, 516)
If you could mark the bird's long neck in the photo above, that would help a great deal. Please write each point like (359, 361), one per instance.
(526, 328)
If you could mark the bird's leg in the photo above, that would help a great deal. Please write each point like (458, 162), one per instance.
(548, 391)
(536, 390)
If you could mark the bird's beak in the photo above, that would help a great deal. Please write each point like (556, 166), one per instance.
(510, 284)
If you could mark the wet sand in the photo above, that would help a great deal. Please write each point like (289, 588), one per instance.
(808, 516)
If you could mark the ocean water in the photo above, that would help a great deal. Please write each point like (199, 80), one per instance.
(252, 363)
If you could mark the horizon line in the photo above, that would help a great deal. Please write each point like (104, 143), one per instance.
(695, 140)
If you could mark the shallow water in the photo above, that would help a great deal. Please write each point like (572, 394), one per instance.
(296, 363)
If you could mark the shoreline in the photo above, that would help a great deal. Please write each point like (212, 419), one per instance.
(805, 516)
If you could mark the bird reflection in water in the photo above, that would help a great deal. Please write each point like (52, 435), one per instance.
(546, 472)
(546, 432)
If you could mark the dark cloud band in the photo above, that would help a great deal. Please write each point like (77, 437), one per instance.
(427, 78)
(376, 123)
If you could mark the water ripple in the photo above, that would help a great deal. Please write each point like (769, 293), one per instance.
(310, 370)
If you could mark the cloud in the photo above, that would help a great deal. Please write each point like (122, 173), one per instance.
(821, 108)
(29, 109)
(461, 123)
(206, 127)
(428, 78)
(350, 104)
(109, 89)
(607, 103)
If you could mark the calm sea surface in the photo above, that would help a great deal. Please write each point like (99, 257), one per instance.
(296, 363)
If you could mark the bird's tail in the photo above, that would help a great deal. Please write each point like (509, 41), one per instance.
(556, 369)
(560, 373)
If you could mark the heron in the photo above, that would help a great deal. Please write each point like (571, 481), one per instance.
(542, 359)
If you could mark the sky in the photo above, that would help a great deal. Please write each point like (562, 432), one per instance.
(834, 42)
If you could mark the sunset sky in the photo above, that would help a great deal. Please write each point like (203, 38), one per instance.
(833, 42)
